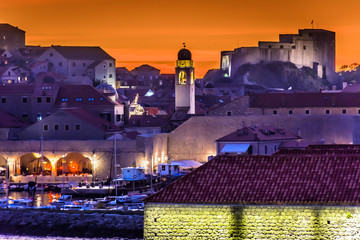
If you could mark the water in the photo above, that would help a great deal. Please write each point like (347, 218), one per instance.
(40, 200)
(17, 237)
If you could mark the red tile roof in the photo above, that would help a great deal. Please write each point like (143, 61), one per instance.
(82, 53)
(308, 99)
(80, 95)
(328, 180)
(249, 134)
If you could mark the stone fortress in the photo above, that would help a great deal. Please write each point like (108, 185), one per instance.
(314, 48)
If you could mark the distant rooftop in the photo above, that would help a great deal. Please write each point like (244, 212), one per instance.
(80, 52)
(5, 27)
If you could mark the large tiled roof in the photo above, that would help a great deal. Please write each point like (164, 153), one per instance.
(80, 95)
(29, 89)
(249, 134)
(308, 99)
(82, 53)
(9, 121)
(328, 180)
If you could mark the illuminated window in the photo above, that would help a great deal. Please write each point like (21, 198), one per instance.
(46, 127)
(67, 127)
(39, 117)
(182, 77)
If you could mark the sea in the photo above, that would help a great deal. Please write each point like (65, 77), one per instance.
(18, 237)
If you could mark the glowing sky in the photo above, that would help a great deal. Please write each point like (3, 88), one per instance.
(143, 31)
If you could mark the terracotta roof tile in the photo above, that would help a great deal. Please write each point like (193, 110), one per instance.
(268, 180)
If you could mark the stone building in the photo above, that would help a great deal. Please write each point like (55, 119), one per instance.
(11, 37)
(311, 196)
(263, 140)
(292, 104)
(314, 48)
(77, 61)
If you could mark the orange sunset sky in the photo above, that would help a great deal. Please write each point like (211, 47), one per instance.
(143, 31)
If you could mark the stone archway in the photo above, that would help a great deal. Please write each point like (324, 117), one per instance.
(33, 164)
(74, 163)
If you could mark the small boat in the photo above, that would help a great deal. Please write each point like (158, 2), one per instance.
(21, 203)
(4, 202)
(63, 200)
(72, 207)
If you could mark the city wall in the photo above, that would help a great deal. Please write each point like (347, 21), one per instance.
(197, 221)
(195, 139)
(70, 224)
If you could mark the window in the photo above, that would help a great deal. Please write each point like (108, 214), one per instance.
(74, 64)
(104, 66)
(77, 127)
(118, 117)
(307, 111)
(24, 100)
(228, 113)
(84, 74)
(290, 112)
(3, 100)
(25, 117)
(51, 64)
(274, 112)
(67, 127)
(327, 111)
(110, 75)
(269, 46)
(310, 34)
(39, 117)
(110, 64)
(163, 167)
(60, 64)
(46, 127)
(51, 54)
(359, 111)
(281, 46)
(84, 64)
(293, 47)
(38, 99)
(265, 149)
(343, 111)
(73, 75)
(56, 127)
(48, 113)
(304, 47)
(48, 99)
(275, 148)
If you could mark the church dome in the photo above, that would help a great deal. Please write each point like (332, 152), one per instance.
(106, 89)
(184, 54)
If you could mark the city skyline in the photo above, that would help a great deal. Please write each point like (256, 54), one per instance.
(139, 32)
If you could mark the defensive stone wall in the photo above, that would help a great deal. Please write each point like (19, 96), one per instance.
(74, 224)
(191, 221)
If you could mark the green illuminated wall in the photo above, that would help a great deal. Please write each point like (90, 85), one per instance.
(187, 221)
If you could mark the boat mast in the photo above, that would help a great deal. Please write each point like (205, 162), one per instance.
(42, 171)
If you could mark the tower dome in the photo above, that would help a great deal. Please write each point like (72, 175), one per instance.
(184, 54)
(107, 90)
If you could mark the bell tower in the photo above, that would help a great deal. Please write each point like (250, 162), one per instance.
(184, 82)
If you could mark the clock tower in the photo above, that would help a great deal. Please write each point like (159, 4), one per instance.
(184, 82)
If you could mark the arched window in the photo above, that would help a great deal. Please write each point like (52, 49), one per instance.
(182, 77)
